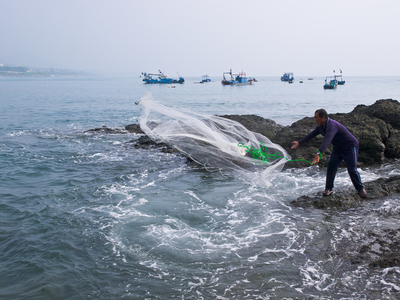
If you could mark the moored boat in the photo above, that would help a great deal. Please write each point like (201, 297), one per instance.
(287, 77)
(331, 84)
(161, 78)
(205, 78)
(341, 81)
(237, 79)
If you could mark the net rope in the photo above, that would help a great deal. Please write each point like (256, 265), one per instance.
(216, 143)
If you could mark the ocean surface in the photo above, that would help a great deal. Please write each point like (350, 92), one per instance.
(86, 215)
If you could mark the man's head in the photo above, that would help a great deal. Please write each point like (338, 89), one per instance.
(320, 116)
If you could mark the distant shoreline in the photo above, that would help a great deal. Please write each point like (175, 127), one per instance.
(7, 71)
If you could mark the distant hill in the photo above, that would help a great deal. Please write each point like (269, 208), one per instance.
(8, 71)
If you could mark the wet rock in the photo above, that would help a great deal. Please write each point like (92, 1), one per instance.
(348, 198)
(109, 130)
(381, 250)
(134, 128)
(145, 142)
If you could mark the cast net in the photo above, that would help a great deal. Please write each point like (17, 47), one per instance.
(217, 143)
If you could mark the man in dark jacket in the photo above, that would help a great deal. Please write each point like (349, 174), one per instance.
(345, 147)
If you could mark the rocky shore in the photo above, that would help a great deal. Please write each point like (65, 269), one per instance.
(377, 128)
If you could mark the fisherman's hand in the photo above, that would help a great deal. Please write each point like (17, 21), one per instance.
(316, 159)
(295, 145)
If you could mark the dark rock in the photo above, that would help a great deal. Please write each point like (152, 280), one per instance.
(393, 144)
(106, 129)
(145, 142)
(266, 127)
(349, 198)
(388, 260)
(387, 110)
(381, 250)
(134, 128)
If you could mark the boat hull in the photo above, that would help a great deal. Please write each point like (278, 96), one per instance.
(227, 82)
(163, 81)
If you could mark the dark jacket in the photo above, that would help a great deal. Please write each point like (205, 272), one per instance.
(334, 133)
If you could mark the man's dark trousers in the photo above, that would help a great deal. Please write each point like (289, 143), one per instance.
(350, 157)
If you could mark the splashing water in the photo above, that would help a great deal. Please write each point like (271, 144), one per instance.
(217, 143)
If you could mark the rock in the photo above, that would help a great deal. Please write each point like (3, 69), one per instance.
(382, 250)
(145, 142)
(134, 128)
(393, 144)
(387, 110)
(349, 198)
(106, 129)
(266, 127)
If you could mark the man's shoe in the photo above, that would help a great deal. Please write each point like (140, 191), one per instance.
(327, 192)
(362, 193)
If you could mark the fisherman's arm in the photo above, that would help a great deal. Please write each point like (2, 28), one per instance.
(305, 139)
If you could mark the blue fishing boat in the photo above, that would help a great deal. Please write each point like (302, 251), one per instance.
(160, 78)
(237, 79)
(331, 84)
(205, 78)
(341, 81)
(287, 77)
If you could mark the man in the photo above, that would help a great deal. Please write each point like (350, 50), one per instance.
(345, 147)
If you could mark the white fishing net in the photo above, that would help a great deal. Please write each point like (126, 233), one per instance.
(214, 142)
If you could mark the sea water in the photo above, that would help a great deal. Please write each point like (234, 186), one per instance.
(86, 215)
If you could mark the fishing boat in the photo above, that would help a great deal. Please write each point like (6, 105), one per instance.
(331, 84)
(160, 78)
(205, 78)
(237, 79)
(287, 77)
(341, 81)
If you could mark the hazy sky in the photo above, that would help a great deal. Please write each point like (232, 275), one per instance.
(261, 37)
